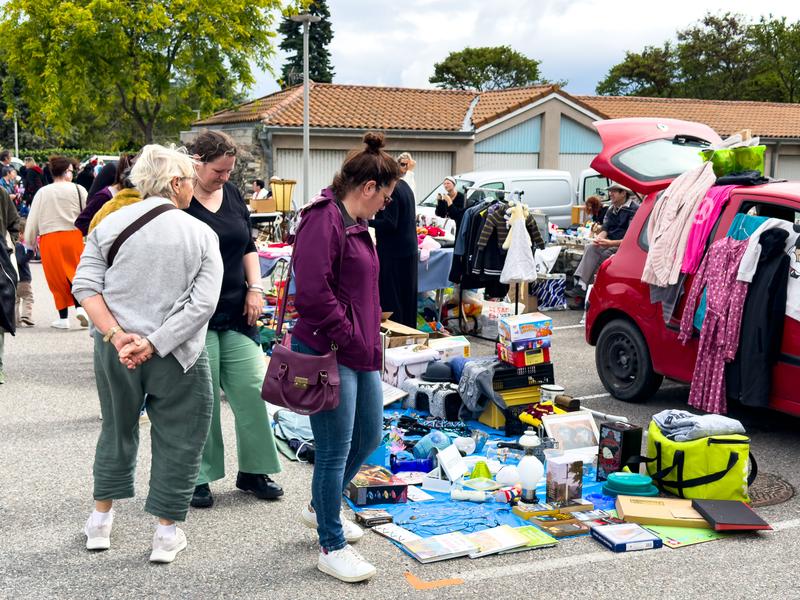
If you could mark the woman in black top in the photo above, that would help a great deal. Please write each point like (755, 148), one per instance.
(450, 205)
(234, 350)
(396, 237)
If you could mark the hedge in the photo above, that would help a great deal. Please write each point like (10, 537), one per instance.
(42, 156)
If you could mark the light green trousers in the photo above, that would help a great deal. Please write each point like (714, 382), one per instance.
(179, 407)
(238, 368)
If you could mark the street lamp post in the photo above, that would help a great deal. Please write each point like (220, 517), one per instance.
(306, 19)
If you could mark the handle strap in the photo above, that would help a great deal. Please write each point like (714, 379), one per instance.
(134, 227)
(285, 298)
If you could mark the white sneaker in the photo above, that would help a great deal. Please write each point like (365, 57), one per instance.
(165, 549)
(346, 565)
(82, 317)
(98, 537)
(60, 324)
(352, 532)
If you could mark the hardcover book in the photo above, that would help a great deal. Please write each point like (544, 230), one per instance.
(730, 515)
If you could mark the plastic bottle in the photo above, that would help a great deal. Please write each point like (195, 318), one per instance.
(531, 469)
(435, 439)
(469, 495)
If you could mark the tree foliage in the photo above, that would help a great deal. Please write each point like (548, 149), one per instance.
(138, 67)
(488, 68)
(724, 56)
(319, 37)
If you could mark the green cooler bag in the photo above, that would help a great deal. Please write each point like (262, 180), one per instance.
(710, 468)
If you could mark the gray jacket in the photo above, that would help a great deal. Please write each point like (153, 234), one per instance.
(165, 280)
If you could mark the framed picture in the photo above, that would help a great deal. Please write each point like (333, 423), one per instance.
(572, 430)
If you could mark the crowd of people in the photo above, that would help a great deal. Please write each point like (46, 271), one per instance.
(173, 339)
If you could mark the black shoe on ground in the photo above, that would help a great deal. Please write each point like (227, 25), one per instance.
(202, 498)
(576, 304)
(261, 485)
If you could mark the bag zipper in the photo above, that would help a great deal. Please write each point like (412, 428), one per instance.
(719, 441)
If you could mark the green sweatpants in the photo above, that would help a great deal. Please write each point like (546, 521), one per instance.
(179, 407)
(238, 367)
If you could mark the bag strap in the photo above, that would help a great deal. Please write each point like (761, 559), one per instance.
(80, 200)
(751, 477)
(136, 226)
(282, 311)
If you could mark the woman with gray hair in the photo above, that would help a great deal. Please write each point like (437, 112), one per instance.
(149, 278)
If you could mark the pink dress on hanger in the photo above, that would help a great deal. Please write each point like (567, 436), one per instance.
(719, 337)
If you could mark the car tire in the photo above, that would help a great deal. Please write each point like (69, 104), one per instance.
(623, 362)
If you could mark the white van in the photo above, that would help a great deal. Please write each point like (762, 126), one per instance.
(551, 192)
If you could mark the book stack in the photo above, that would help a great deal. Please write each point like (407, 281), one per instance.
(523, 348)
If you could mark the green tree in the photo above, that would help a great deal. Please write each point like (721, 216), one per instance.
(489, 68)
(777, 48)
(716, 59)
(653, 72)
(319, 57)
(147, 63)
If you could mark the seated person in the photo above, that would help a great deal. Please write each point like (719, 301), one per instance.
(595, 212)
(615, 224)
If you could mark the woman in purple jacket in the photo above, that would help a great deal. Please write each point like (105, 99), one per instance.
(336, 274)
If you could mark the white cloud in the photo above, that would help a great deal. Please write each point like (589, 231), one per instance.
(385, 43)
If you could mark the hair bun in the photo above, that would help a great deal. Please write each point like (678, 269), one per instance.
(374, 141)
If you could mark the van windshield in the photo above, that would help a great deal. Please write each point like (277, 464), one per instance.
(461, 186)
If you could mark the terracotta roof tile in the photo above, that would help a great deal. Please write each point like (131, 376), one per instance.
(494, 104)
(247, 112)
(765, 119)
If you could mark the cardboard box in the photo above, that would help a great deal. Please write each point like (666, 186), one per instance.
(534, 344)
(564, 479)
(406, 362)
(267, 205)
(525, 327)
(528, 300)
(376, 485)
(494, 417)
(672, 512)
(523, 358)
(395, 335)
(453, 346)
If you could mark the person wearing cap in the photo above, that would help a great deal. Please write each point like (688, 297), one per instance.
(450, 205)
(616, 222)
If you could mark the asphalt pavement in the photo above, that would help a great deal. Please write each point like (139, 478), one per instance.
(245, 548)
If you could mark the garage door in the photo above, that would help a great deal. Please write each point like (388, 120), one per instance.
(432, 168)
(788, 167)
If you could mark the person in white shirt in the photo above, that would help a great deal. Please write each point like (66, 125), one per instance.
(260, 191)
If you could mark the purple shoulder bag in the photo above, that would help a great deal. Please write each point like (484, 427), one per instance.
(303, 383)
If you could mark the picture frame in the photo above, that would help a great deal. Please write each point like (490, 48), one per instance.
(572, 430)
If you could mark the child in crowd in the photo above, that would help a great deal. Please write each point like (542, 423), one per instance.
(24, 312)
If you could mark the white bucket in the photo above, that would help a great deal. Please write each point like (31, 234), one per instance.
(550, 391)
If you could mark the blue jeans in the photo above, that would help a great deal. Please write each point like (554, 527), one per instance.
(343, 438)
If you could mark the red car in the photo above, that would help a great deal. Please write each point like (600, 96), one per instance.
(635, 349)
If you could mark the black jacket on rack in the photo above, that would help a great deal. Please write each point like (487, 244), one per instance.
(749, 376)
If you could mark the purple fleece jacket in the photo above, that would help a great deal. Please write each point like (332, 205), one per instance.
(345, 311)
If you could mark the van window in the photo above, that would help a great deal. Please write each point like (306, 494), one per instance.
(461, 186)
(595, 186)
(544, 193)
(484, 193)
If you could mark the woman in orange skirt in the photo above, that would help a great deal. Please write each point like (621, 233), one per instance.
(52, 219)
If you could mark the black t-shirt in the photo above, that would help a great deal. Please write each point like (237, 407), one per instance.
(231, 223)
(395, 226)
(617, 220)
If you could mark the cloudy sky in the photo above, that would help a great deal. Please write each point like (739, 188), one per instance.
(376, 42)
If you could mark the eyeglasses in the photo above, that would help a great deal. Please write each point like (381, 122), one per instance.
(403, 164)
(387, 200)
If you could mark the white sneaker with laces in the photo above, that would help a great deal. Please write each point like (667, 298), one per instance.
(60, 324)
(98, 536)
(82, 317)
(346, 565)
(352, 532)
(165, 549)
